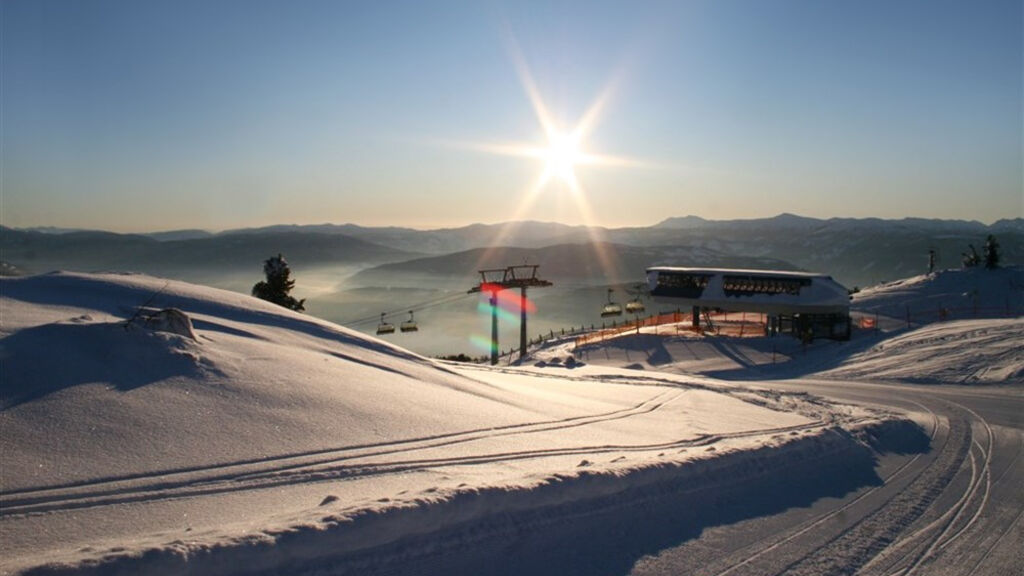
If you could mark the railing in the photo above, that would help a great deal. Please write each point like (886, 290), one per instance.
(750, 324)
(736, 324)
(911, 317)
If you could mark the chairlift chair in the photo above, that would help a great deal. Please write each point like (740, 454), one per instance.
(409, 325)
(611, 308)
(384, 327)
(635, 306)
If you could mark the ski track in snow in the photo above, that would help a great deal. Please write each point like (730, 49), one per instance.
(773, 544)
(923, 544)
(329, 464)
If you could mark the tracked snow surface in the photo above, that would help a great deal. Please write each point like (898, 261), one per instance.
(965, 327)
(156, 427)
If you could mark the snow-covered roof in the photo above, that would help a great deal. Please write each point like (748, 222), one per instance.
(764, 291)
(738, 271)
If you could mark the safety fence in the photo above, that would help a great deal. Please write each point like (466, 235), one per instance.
(736, 324)
(909, 316)
(750, 324)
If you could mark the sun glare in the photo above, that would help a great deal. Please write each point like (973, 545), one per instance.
(562, 155)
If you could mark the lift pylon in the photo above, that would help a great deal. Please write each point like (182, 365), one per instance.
(495, 280)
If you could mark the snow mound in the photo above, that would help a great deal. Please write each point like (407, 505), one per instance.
(948, 294)
(172, 321)
(46, 359)
(280, 381)
(959, 352)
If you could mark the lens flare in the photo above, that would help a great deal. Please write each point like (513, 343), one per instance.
(503, 315)
(483, 343)
(508, 309)
(508, 300)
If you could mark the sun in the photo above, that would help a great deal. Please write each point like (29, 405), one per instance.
(561, 157)
(563, 152)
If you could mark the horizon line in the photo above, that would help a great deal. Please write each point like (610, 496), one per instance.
(51, 229)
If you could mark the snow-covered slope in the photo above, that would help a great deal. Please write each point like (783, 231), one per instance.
(954, 327)
(947, 294)
(259, 438)
(989, 351)
(87, 396)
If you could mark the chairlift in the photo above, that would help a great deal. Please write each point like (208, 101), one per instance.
(384, 327)
(636, 306)
(409, 325)
(611, 308)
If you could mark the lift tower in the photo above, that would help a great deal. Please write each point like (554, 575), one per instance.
(521, 277)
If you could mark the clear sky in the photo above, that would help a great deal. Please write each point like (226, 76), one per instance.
(139, 116)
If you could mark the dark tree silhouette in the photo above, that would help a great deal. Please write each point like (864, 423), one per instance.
(277, 286)
(991, 252)
(971, 260)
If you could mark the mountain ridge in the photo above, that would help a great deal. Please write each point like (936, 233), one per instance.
(856, 251)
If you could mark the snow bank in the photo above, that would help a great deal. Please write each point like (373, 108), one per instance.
(263, 438)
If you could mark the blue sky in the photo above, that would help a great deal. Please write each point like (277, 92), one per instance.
(137, 116)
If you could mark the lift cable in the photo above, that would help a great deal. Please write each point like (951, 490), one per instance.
(425, 305)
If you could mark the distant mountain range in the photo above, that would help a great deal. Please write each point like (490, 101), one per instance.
(795, 221)
(574, 264)
(89, 251)
(857, 252)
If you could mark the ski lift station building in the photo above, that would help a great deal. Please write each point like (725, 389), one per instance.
(804, 304)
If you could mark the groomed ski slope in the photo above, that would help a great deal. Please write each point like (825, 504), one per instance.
(272, 439)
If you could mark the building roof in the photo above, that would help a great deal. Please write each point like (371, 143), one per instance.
(739, 271)
(775, 292)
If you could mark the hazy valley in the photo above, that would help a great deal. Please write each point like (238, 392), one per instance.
(350, 274)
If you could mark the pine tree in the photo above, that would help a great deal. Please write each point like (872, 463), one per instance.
(278, 284)
(991, 252)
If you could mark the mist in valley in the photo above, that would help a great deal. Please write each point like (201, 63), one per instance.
(451, 321)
